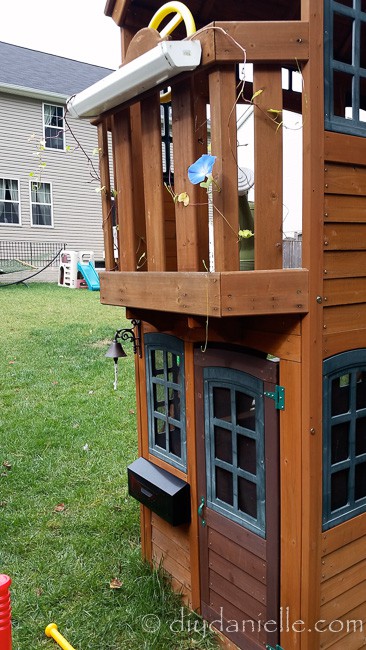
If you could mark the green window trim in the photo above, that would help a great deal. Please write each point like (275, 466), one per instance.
(165, 386)
(344, 437)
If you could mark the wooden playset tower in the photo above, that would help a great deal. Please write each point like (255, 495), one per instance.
(251, 384)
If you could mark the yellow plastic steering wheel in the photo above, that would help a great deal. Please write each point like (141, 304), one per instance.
(182, 13)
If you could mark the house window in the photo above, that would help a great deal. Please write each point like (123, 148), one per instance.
(9, 201)
(54, 126)
(344, 431)
(166, 398)
(234, 417)
(345, 66)
(41, 204)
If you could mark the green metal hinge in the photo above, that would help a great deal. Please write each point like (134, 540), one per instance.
(278, 647)
(279, 397)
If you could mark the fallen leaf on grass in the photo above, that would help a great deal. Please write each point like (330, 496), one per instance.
(10, 362)
(131, 411)
(39, 592)
(3, 504)
(115, 584)
(7, 464)
(59, 508)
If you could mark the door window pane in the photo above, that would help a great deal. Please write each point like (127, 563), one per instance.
(342, 94)
(224, 486)
(223, 445)
(245, 410)
(247, 493)
(222, 403)
(247, 455)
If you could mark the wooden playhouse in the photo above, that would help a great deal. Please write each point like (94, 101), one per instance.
(251, 385)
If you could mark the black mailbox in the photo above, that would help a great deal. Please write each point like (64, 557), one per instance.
(165, 494)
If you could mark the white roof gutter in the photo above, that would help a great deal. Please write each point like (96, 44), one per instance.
(33, 93)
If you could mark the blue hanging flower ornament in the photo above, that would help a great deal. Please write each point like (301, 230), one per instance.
(201, 170)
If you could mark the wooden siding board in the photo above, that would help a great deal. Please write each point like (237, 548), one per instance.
(240, 536)
(239, 578)
(77, 212)
(160, 558)
(341, 341)
(344, 236)
(345, 602)
(178, 534)
(344, 291)
(234, 553)
(105, 182)
(171, 548)
(341, 559)
(344, 318)
(345, 179)
(234, 595)
(333, 588)
(268, 163)
(342, 148)
(253, 640)
(344, 264)
(342, 208)
(343, 534)
(349, 636)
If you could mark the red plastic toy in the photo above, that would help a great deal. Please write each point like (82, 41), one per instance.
(5, 613)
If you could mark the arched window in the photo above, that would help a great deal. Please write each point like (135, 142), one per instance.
(344, 442)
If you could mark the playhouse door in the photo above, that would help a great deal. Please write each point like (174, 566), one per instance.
(237, 433)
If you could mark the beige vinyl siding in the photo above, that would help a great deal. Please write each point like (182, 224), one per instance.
(77, 219)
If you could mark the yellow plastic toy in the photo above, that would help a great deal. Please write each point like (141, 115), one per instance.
(51, 630)
(181, 13)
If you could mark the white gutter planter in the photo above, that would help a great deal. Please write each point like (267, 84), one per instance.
(147, 71)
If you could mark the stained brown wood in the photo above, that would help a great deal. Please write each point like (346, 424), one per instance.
(287, 43)
(341, 341)
(344, 264)
(201, 293)
(185, 154)
(138, 197)
(153, 183)
(348, 637)
(331, 589)
(341, 208)
(343, 148)
(343, 534)
(345, 236)
(222, 85)
(312, 325)
(343, 558)
(344, 291)
(192, 474)
(291, 498)
(345, 179)
(178, 534)
(236, 624)
(345, 318)
(246, 561)
(172, 567)
(268, 160)
(105, 182)
(167, 466)
(234, 595)
(267, 292)
(252, 543)
(237, 577)
(344, 602)
(122, 154)
(171, 548)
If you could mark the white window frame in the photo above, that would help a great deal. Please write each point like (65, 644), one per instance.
(53, 127)
(36, 225)
(16, 225)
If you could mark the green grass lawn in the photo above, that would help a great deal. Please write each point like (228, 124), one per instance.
(67, 525)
